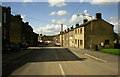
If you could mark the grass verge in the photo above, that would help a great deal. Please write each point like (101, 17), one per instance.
(111, 51)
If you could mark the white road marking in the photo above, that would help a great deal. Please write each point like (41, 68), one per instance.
(62, 70)
(95, 58)
(60, 66)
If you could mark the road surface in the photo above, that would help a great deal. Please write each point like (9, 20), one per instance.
(57, 61)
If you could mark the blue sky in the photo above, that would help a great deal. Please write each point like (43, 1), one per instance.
(38, 14)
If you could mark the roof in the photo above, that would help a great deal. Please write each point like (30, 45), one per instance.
(88, 22)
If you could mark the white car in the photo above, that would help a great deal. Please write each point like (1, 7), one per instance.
(57, 44)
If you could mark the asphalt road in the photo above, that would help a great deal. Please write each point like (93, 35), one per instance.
(56, 61)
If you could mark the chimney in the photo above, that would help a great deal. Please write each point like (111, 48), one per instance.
(27, 23)
(77, 25)
(68, 29)
(71, 27)
(18, 16)
(98, 15)
(85, 20)
(65, 31)
(40, 34)
(8, 8)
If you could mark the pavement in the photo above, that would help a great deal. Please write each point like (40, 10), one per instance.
(100, 55)
(63, 62)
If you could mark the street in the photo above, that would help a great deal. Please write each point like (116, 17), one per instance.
(59, 38)
(57, 61)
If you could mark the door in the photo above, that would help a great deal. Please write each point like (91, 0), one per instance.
(78, 43)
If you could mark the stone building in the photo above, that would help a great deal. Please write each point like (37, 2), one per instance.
(34, 39)
(79, 36)
(14, 30)
(48, 38)
(62, 38)
(71, 37)
(40, 38)
(27, 34)
(21, 32)
(6, 19)
(57, 38)
(96, 32)
(66, 38)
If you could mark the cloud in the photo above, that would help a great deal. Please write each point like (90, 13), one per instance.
(62, 21)
(114, 21)
(60, 1)
(50, 29)
(100, 2)
(52, 13)
(57, 3)
(62, 12)
(54, 21)
(85, 11)
(23, 16)
(27, 0)
(75, 18)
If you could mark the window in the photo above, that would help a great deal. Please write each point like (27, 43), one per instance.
(76, 31)
(81, 42)
(106, 41)
(75, 41)
(80, 30)
(4, 17)
(5, 33)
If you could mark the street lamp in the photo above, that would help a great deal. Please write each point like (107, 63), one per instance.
(91, 27)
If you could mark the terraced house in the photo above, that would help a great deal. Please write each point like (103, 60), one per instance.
(14, 30)
(71, 37)
(96, 32)
(6, 13)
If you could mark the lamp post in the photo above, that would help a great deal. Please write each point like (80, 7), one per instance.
(91, 27)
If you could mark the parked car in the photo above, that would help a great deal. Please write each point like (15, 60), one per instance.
(46, 43)
(23, 45)
(15, 46)
(57, 44)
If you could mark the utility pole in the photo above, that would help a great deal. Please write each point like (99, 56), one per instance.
(62, 34)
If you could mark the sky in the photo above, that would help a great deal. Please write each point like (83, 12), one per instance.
(46, 17)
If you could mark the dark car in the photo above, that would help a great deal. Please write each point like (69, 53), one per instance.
(46, 43)
(15, 46)
(23, 45)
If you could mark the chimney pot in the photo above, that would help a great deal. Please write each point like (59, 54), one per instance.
(18, 16)
(68, 29)
(27, 23)
(98, 15)
(85, 20)
(77, 25)
(65, 30)
(72, 27)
